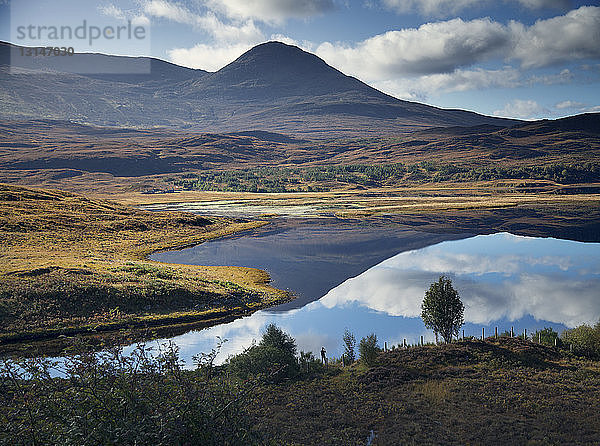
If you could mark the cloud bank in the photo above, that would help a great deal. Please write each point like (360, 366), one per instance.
(446, 46)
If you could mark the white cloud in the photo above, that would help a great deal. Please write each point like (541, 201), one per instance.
(565, 76)
(577, 107)
(521, 109)
(171, 11)
(236, 33)
(246, 32)
(412, 63)
(140, 20)
(565, 38)
(208, 57)
(115, 12)
(431, 48)
(569, 104)
(273, 11)
(463, 80)
(430, 7)
(543, 4)
(509, 286)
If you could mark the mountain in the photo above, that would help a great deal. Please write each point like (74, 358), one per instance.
(99, 66)
(272, 87)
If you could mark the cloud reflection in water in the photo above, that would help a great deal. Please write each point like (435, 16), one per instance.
(498, 276)
(503, 280)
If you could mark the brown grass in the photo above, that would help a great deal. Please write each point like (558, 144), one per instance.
(506, 392)
(69, 263)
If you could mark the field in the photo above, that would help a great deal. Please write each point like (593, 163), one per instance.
(73, 265)
(505, 391)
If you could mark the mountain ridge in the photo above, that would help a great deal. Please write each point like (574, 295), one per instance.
(272, 87)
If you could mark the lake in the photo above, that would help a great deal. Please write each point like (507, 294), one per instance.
(372, 278)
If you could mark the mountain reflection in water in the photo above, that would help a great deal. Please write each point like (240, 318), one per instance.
(504, 280)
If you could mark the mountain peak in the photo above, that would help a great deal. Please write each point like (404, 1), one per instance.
(281, 60)
(275, 69)
(278, 51)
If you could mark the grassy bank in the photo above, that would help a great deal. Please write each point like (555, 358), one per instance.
(505, 391)
(73, 265)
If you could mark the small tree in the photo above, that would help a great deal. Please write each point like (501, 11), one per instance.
(584, 339)
(349, 346)
(442, 310)
(272, 359)
(368, 349)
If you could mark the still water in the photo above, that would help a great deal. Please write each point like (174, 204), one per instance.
(374, 279)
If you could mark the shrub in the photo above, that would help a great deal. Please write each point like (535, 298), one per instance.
(110, 398)
(547, 336)
(585, 340)
(349, 346)
(368, 350)
(310, 365)
(273, 359)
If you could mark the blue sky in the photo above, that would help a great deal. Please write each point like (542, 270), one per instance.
(527, 59)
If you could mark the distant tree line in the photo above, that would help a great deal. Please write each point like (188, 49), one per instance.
(324, 178)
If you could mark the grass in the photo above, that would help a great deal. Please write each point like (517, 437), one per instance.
(505, 391)
(70, 264)
(482, 207)
(497, 391)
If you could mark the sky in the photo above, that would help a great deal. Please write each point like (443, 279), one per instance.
(527, 59)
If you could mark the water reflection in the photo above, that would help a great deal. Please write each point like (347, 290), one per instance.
(498, 276)
(504, 280)
(308, 257)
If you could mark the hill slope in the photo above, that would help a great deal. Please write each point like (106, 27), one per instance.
(272, 87)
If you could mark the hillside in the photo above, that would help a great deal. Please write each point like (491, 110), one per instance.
(504, 391)
(272, 87)
(74, 265)
(65, 154)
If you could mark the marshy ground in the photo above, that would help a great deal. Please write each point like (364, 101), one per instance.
(72, 265)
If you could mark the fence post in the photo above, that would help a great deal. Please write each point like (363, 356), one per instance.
(463, 338)
(422, 344)
(524, 334)
(496, 332)
(385, 346)
(482, 333)
(512, 332)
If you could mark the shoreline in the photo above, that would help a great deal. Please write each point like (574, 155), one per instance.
(574, 219)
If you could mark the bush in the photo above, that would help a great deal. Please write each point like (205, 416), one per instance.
(547, 336)
(310, 365)
(273, 359)
(585, 340)
(368, 350)
(349, 346)
(110, 398)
